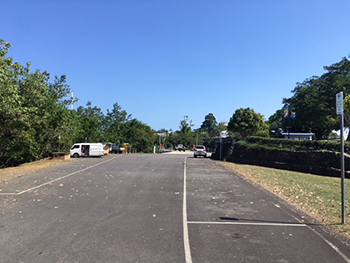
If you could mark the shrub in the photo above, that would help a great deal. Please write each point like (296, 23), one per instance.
(299, 145)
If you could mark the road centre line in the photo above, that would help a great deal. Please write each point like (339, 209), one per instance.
(60, 178)
(247, 223)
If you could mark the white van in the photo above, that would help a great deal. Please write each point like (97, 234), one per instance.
(86, 149)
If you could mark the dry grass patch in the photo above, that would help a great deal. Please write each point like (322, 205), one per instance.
(7, 174)
(318, 196)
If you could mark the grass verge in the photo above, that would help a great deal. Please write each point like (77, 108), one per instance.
(318, 196)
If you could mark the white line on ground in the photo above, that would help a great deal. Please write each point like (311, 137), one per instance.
(60, 178)
(334, 247)
(247, 223)
(186, 222)
(184, 216)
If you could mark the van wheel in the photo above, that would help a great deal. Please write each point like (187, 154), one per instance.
(76, 155)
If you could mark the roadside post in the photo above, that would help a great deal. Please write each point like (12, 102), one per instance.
(340, 111)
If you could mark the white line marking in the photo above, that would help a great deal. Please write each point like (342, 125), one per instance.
(331, 245)
(246, 223)
(278, 224)
(9, 193)
(327, 241)
(186, 236)
(184, 219)
(60, 178)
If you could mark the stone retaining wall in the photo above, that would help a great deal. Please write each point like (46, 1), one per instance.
(321, 163)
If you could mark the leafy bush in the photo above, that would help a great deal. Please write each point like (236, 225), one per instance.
(299, 145)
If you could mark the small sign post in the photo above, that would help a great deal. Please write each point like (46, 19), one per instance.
(340, 103)
(340, 111)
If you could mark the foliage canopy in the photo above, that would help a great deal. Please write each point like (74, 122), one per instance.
(314, 100)
(246, 122)
(35, 119)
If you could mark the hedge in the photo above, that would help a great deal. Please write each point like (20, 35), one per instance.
(299, 145)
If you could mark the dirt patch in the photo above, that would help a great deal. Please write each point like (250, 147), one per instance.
(7, 174)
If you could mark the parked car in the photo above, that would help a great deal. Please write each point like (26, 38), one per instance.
(180, 147)
(200, 150)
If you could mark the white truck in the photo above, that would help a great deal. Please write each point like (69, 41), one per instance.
(86, 149)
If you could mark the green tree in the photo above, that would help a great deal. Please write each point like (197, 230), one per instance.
(173, 139)
(113, 123)
(164, 137)
(314, 100)
(90, 124)
(312, 108)
(185, 126)
(11, 112)
(276, 123)
(139, 135)
(246, 122)
(347, 108)
(32, 112)
(199, 136)
(186, 135)
(210, 125)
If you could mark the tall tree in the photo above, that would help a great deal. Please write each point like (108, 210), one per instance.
(90, 124)
(314, 100)
(11, 112)
(185, 126)
(186, 135)
(32, 112)
(210, 125)
(246, 122)
(114, 122)
(139, 135)
(275, 123)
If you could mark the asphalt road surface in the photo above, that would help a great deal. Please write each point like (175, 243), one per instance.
(153, 208)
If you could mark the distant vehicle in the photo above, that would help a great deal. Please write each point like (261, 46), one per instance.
(180, 148)
(107, 147)
(124, 148)
(200, 150)
(86, 149)
(116, 149)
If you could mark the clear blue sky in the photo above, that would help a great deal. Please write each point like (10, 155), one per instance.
(162, 60)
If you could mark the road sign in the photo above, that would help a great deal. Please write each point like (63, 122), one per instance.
(339, 100)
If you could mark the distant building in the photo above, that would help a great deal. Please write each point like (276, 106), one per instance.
(298, 136)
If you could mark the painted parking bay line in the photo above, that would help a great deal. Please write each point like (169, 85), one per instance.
(58, 179)
(247, 223)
